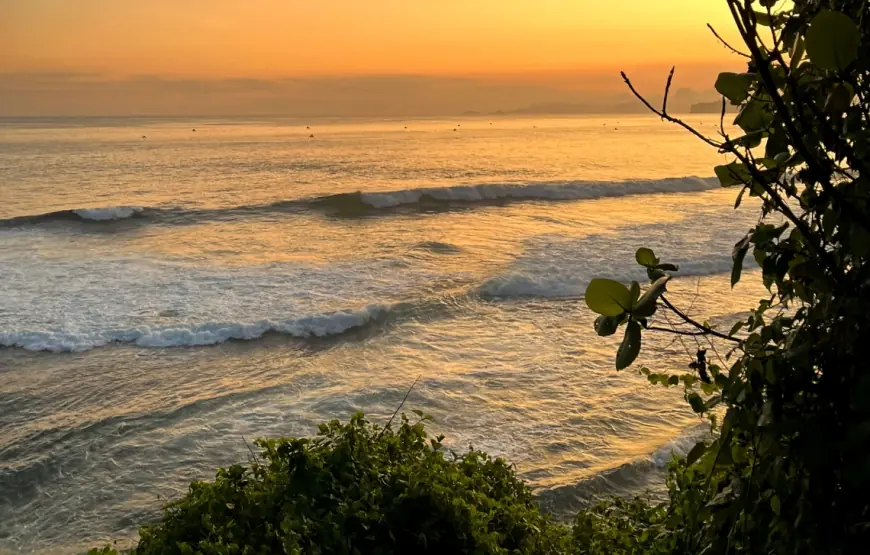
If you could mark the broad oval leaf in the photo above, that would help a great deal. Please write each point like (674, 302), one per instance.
(607, 297)
(737, 256)
(696, 453)
(775, 505)
(797, 52)
(630, 346)
(606, 325)
(646, 257)
(734, 173)
(750, 140)
(753, 116)
(634, 293)
(696, 402)
(734, 86)
(777, 143)
(832, 40)
(646, 306)
(839, 99)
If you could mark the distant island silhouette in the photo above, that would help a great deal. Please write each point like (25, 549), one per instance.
(683, 101)
(714, 107)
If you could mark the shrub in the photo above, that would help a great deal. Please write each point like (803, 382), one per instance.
(357, 488)
(790, 469)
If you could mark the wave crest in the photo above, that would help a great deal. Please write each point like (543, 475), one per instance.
(644, 475)
(362, 203)
(567, 282)
(557, 191)
(187, 335)
(108, 213)
(103, 214)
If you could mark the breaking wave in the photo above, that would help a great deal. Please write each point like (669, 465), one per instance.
(104, 214)
(210, 333)
(557, 191)
(644, 474)
(362, 203)
(567, 282)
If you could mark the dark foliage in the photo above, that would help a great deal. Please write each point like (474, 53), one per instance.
(790, 469)
(357, 488)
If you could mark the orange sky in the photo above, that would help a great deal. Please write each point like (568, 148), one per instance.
(554, 45)
(292, 37)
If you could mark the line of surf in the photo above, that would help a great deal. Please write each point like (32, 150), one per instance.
(644, 475)
(182, 334)
(362, 203)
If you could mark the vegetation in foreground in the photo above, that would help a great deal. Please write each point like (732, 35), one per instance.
(789, 469)
(357, 488)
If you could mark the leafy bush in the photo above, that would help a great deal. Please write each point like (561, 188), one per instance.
(357, 488)
(790, 469)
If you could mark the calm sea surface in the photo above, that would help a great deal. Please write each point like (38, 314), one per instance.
(169, 287)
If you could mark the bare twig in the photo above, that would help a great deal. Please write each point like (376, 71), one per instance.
(700, 326)
(390, 421)
(254, 455)
(678, 336)
(668, 90)
(667, 117)
(676, 331)
(728, 46)
(713, 346)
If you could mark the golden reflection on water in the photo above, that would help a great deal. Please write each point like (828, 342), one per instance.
(481, 300)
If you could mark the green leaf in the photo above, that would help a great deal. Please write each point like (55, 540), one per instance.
(734, 173)
(777, 143)
(646, 257)
(634, 292)
(630, 346)
(607, 297)
(674, 380)
(739, 198)
(696, 453)
(668, 267)
(753, 116)
(839, 99)
(646, 306)
(797, 52)
(832, 40)
(737, 256)
(775, 505)
(750, 140)
(696, 402)
(734, 86)
(606, 325)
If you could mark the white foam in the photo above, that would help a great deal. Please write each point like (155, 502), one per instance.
(108, 213)
(554, 281)
(568, 190)
(680, 445)
(558, 265)
(71, 302)
(319, 325)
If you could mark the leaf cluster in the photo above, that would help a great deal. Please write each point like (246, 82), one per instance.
(788, 470)
(357, 488)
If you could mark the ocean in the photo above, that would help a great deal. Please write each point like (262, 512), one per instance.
(171, 289)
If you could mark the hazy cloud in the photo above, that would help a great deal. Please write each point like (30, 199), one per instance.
(83, 94)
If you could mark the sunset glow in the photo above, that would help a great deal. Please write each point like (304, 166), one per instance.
(291, 37)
